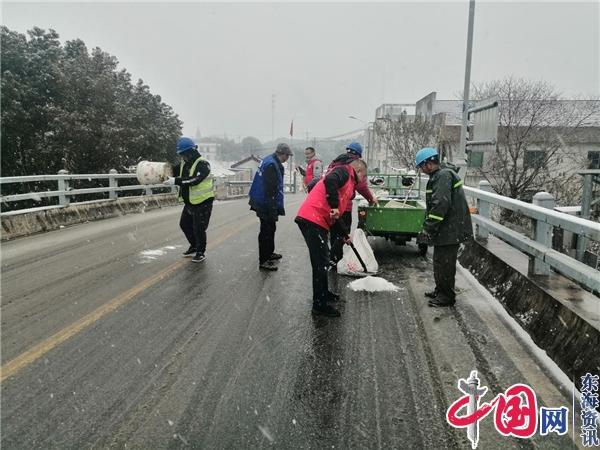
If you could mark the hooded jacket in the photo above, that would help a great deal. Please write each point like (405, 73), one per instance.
(447, 220)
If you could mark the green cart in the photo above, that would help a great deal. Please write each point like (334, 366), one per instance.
(396, 224)
(398, 185)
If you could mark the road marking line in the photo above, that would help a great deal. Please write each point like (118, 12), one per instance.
(31, 355)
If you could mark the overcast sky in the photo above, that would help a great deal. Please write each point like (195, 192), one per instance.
(218, 64)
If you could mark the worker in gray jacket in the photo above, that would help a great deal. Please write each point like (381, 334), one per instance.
(447, 223)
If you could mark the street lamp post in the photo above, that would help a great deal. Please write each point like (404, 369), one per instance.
(461, 160)
(356, 118)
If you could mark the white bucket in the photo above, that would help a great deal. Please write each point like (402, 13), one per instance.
(153, 172)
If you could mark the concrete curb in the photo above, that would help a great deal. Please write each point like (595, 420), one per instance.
(562, 319)
(17, 225)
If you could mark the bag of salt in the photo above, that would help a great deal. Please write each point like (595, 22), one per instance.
(349, 264)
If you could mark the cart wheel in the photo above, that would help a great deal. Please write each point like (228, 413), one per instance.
(422, 249)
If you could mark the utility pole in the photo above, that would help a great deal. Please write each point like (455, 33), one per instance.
(461, 160)
(272, 117)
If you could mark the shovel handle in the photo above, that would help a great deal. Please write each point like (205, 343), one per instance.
(362, 263)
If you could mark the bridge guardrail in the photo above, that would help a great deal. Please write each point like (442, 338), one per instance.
(65, 193)
(542, 257)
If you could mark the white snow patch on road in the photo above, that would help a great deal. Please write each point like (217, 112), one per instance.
(149, 255)
(157, 252)
(373, 284)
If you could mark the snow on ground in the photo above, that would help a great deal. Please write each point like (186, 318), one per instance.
(149, 255)
(373, 284)
(541, 355)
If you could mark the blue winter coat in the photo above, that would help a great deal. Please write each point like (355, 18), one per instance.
(266, 192)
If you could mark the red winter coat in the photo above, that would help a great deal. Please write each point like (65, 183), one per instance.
(310, 170)
(315, 207)
(362, 187)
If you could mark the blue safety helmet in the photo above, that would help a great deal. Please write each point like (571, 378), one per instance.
(355, 147)
(184, 144)
(426, 154)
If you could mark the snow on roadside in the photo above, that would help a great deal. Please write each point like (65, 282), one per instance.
(373, 284)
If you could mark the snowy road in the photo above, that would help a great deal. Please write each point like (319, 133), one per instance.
(111, 340)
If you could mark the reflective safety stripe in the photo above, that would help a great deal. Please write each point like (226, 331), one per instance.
(458, 183)
(429, 191)
(433, 216)
(207, 190)
(199, 192)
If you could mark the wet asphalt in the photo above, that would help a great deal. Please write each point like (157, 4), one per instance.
(221, 355)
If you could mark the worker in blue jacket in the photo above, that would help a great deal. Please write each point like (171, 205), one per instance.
(266, 199)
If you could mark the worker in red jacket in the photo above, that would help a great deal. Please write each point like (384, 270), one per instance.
(353, 152)
(314, 167)
(319, 213)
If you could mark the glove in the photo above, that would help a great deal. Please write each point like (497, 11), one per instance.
(170, 181)
(423, 238)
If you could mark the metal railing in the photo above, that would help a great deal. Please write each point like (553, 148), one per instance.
(542, 257)
(65, 192)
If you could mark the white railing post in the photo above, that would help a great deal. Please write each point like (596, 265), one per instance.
(112, 183)
(542, 234)
(586, 204)
(483, 209)
(63, 185)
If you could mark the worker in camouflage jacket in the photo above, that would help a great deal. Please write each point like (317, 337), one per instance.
(447, 223)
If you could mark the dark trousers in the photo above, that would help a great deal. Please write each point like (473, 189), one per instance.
(194, 222)
(444, 269)
(316, 240)
(337, 241)
(266, 240)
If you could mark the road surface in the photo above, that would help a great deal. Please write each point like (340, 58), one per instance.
(111, 340)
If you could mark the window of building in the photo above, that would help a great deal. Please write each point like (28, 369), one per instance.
(533, 159)
(475, 159)
(594, 159)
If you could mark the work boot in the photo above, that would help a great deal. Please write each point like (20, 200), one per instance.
(441, 302)
(275, 256)
(268, 265)
(323, 309)
(199, 257)
(189, 252)
(432, 294)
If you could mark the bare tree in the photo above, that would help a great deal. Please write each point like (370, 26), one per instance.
(405, 135)
(537, 139)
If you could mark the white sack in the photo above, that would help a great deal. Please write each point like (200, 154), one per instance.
(350, 264)
(148, 172)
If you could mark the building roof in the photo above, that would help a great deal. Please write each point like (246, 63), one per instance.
(220, 169)
(252, 157)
